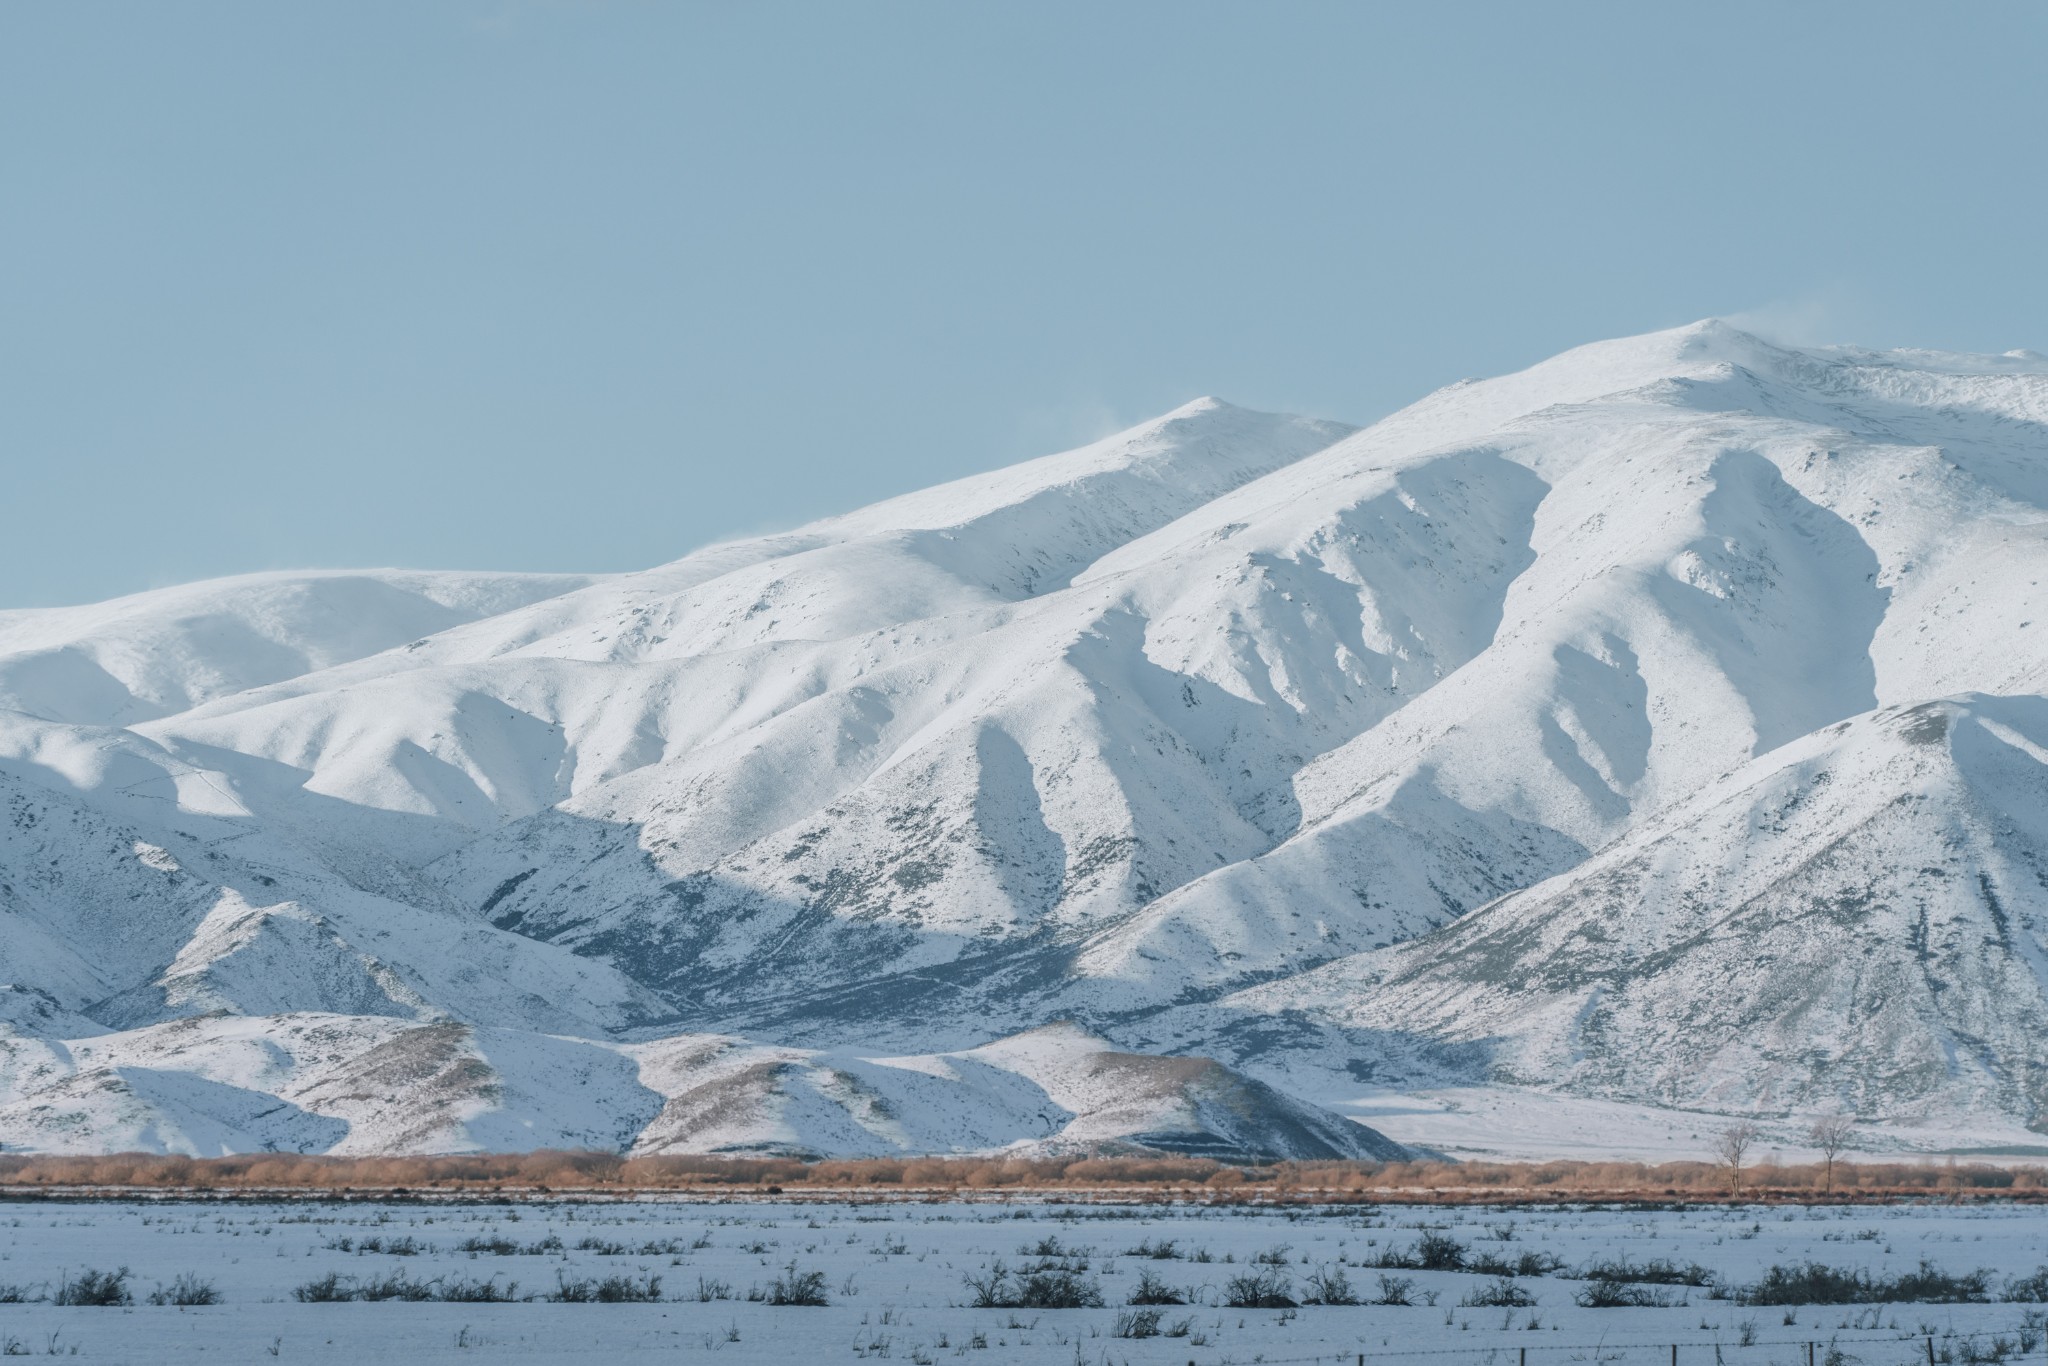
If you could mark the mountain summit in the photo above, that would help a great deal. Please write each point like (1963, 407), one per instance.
(1660, 726)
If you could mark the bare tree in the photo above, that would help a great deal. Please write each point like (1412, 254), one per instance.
(1830, 1134)
(1732, 1148)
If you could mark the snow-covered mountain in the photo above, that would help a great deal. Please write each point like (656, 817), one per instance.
(1201, 741)
(1850, 922)
(157, 653)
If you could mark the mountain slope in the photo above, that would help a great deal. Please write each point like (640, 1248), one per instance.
(1710, 580)
(1209, 738)
(353, 1084)
(165, 651)
(1855, 920)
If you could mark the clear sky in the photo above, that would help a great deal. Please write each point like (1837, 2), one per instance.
(491, 284)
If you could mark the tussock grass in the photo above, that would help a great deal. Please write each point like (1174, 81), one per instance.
(1044, 1286)
(186, 1290)
(1150, 1290)
(805, 1288)
(335, 1288)
(1624, 1295)
(1815, 1283)
(607, 1290)
(499, 1246)
(1655, 1272)
(1501, 1294)
(104, 1289)
(1264, 1288)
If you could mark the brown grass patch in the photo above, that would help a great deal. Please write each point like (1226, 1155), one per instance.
(1123, 1177)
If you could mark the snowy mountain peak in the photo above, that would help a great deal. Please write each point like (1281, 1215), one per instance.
(1654, 726)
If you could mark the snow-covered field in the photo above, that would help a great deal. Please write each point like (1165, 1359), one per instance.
(896, 1278)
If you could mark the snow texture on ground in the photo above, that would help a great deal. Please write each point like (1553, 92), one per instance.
(895, 1278)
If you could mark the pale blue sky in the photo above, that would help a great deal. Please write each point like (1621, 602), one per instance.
(582, 286)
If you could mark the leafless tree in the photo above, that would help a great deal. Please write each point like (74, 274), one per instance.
(1732, 1148)
(1830, 1134)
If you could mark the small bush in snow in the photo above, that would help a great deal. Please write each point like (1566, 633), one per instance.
(1265, 1288)
(1136, 1323)
(497, 1246)
(1656, 1272)
(1162, 1251)
(2028, 1289)
(1523, 1264)
(607, 1290)
(328, 1289)
(455, 1290)
(334, 1288)
(396, 1286)
(1439, 1252)
(101, 1288)
(1502, 1294)
(1329, 1285)
(1045, 1286)
(1815, 1283)
(1151, 1290)
(1395, 1290)
(1623, 1295)
(185, 1290)
(1057, 1288)
(798, 1288)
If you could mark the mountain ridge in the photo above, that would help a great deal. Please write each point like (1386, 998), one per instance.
(1182, 736)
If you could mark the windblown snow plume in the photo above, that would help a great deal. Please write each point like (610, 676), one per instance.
(1664, 725)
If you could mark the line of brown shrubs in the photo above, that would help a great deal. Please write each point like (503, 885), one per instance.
(1160, 1177)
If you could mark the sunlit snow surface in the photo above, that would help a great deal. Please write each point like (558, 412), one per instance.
(1662, 727)
(894, 1278)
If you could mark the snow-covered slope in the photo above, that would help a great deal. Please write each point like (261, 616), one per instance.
(368, 1084)
(1852, 921)
(1206, 736)
(152, 654)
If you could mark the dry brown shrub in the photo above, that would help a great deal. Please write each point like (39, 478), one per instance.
(871, 1171)
(666, 1170)
(1156, 1175)
(276, 1172)
(928, 1171)
(1144, 1171)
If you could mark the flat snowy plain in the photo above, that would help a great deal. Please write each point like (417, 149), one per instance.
(895, 1276)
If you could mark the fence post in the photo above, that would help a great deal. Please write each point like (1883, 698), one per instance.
(1930, 1349)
